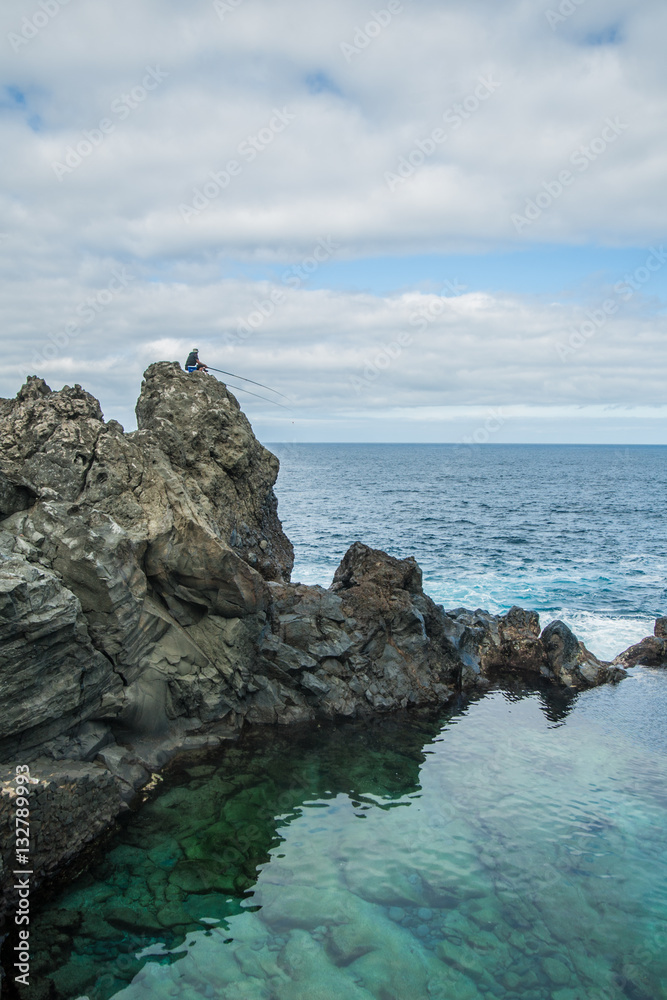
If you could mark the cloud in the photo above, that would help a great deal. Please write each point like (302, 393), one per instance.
(335, 353)
(353, 123)
(186, 92)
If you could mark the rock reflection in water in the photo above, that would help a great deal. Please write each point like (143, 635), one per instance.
(506, 851)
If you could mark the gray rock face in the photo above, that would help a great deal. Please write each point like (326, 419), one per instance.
(146, 608)
(226, 473)
(14, 495)
(117, 546)
(51, 677)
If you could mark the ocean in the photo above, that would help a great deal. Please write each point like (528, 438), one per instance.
(575, 532)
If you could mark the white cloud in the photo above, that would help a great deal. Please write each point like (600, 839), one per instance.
(324, 173)
(338, 354)
(352, 124)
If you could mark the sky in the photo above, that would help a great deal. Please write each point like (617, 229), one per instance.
(416, 220)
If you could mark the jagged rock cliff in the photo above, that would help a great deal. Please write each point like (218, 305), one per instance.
(118, 546)
(145, 604)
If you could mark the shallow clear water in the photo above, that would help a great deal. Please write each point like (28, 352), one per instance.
(514, 849)
(574, 532)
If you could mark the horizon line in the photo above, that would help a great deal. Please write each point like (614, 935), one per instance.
(486, 444)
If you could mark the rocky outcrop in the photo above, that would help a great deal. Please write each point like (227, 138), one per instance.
(118, 546)
(52, 679)
(650, 652)
(489, 645)
(570, 663)
(372, 642)
(146, 605)
(70, 805)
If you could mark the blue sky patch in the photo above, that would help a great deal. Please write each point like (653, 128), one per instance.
(611, 35)
(319, 83)
(16, 96)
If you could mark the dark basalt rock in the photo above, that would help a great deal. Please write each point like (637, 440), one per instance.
(146, 608)
(490, 643)
(570, 663)
(511, 643)
(361, 565)
(14, 495)
(51, 677)
(650, 652)
(372, 642)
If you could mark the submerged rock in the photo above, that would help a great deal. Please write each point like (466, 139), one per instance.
(146, 606)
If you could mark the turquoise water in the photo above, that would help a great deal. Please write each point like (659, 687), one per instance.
(513, 849)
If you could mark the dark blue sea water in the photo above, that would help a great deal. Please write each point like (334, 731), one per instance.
(574, 532)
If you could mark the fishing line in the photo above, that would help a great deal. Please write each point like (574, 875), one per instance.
(252, 382)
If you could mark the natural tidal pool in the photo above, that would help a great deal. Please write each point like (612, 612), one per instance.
(511, 848)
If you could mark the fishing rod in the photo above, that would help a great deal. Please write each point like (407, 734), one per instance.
(244, 379)
(240, 388)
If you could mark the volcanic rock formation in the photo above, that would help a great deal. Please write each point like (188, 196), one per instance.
(146, 608)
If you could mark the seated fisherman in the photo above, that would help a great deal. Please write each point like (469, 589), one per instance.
(193, 364)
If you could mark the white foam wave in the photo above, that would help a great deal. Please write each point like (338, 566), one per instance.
(605, 635)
